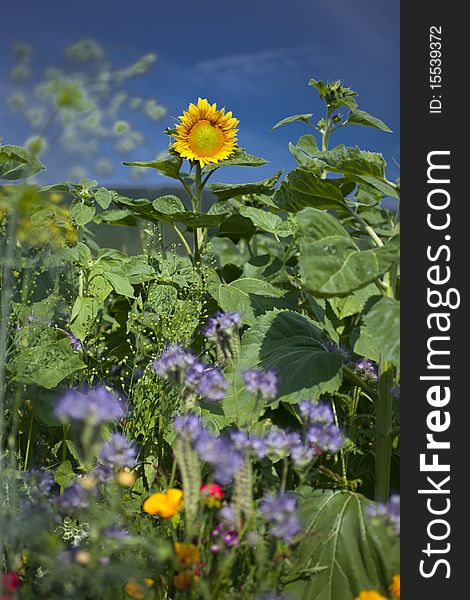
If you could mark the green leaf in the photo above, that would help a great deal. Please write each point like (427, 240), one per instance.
(103, 196)
(245, 295)
(117, 278)
(305, 118)
(267, 221)
(17, 163)
(119, 216)
(47, 360)
(357, 554)
(360, 117)
(239, 158)
(84, 313)
(224, 191)
(64, 474)
(354, 303)
(353, 161)
(99, 287)
(384, 187)
(82, 212)
(236, 227)
(292, 346)
(169, 209)
(303, 188)
(380, 334)
(170, 167)
(168, 205)
(330, 262)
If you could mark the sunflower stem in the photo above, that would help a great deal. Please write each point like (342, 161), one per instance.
(196, 202)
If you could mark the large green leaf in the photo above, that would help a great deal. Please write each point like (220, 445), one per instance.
(360, 117)
(239, 158)
(247, 296)
(380, 334)
(331, 263)
(47, 360)
(292, 347)
(169, 166)
(17, 163)
(170, 209)
(224, 191)
(357, 554)
(303, 188)
(353, 161)
(304, 118)
(354, 303)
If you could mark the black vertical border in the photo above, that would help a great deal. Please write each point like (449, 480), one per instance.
(421, 133)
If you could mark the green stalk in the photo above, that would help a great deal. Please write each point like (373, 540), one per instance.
(383, 432)
(196, 202)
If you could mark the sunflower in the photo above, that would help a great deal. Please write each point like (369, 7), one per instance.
(206, 134)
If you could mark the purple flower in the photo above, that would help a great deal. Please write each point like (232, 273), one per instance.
(231, 537)
(189, 425)
(207, 382)
(118, 451)
(115, 533)
(173, 361)
(389, 511)
(74, 498)
(367, 369)
(74, 342)
(95, 405)
(220, 454)
(228, 516)
(325, 438)
(321, 431)
(263, 383)
(280, 511)
(217, 452)
(316, 413)
(222, 326)
(40, 480)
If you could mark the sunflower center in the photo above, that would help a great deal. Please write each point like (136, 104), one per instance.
(206, 138)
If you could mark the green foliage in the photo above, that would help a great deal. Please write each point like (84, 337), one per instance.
(355, 554)
(310, 265)
(17, 163)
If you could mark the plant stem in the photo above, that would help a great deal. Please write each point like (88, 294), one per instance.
(196, 202)
(28, 443)
(183, 239)
(383, 431)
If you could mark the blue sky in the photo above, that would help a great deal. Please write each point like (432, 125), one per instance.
(254, 57)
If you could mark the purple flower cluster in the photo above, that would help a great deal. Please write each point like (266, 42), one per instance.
(281, 512)
(367, 368)
(95, 405)
(118, 452)
(219, 452)
(181, 367)
(74, 498)
(225, 533)
(222, 326)
(321, 431)
(173, 361)
(390, 512)
(263, 383)
(39, 480)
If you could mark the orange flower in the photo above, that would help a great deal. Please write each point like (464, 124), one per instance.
(164, 504)
(149, 582)
(184, 580)
(132, 588)
(188, 554)
(395, 586)
(370, 595)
